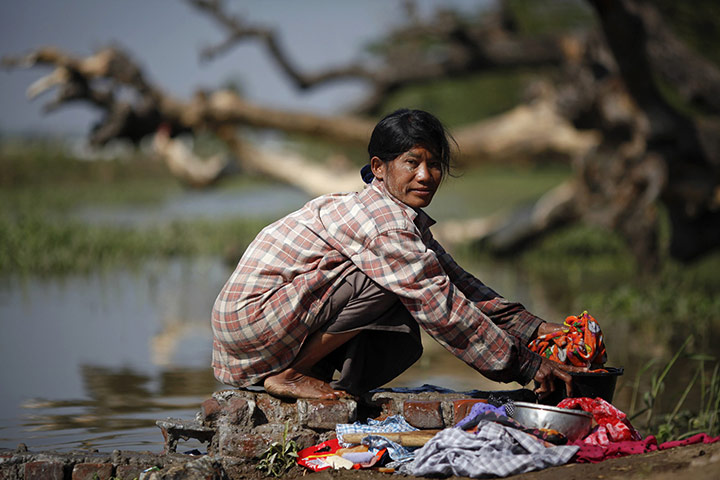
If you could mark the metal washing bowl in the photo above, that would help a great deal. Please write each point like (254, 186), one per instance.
(573, 424)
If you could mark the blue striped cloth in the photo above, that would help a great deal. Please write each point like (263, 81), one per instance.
(392, 424)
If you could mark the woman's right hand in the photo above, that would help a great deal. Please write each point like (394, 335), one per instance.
(549, 371)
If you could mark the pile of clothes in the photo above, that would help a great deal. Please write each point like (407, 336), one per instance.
(488, 442)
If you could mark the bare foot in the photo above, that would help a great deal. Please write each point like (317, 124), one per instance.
(292, 384)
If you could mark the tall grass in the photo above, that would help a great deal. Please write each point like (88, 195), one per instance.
(686, 418)
(41, 182)
(33, 244)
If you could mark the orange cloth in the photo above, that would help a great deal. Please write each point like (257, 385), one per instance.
(580, 344)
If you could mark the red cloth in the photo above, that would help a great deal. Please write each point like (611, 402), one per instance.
(612, 424)
(597, 453)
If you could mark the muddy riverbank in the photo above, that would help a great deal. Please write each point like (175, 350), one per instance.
(699, 462)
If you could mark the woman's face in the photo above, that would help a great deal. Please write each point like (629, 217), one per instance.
(413, 177)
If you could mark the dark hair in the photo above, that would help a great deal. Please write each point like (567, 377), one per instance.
(404, 129)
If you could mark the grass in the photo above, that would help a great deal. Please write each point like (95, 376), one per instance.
(32, 244)
(42, 182)
(685, 419)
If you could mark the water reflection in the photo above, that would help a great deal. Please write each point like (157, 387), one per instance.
(121, 399)
(97, 359)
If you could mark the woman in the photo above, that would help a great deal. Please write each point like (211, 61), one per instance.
(344, 284)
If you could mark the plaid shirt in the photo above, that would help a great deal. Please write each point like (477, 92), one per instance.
(266, 309)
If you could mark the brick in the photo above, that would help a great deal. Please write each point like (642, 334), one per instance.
(43, 471)
(388, 405)
(423, 413)
(325, 414)
(461, 408)
(92, 471)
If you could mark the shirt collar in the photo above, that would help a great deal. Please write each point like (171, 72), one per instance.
(419, 217)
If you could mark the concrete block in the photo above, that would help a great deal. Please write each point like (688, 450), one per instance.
(424, 413)
(243, 444)
(240, 411)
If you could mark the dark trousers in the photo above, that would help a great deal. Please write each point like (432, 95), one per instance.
(388, 342)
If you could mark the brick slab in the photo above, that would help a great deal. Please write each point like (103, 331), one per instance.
(461, 408)
(423, 413)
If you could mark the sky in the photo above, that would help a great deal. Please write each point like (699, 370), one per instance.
(166, 36)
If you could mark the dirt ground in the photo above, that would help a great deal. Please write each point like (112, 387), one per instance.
(694, 462)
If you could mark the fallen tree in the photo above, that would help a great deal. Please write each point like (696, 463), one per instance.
(604, 112)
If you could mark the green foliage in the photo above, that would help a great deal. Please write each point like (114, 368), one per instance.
(41, 182)
(595, 268)
(681, 422)
(551, 16)
(42, 163)
(34, 244)
(460, 101)
(279, 457)
(493, 188)
(696, 23)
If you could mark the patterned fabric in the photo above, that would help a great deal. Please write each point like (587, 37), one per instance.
(268, 306)
(391, 424)
(612, 423)
(580, 344)
(494, 450)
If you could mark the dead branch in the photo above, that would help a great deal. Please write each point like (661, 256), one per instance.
(630, 148)
(184, 164)
(525, 131)
(237, 31)
(460, 50)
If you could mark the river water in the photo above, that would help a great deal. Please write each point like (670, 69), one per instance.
(92, 361)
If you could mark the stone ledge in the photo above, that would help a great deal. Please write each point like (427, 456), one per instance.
(244, 422)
